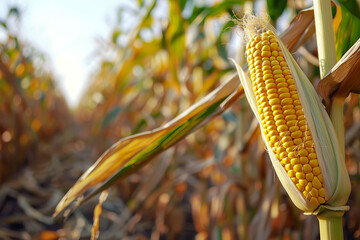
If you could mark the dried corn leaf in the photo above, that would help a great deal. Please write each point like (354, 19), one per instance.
(299, 30)
(130, 153)
(97, 213)
(343, 77)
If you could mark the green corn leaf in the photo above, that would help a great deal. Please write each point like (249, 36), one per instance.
(346, 27)
(276, 8)
(352, 6)
(131, 153)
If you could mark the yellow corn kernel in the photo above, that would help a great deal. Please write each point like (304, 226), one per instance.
(309, 176)
(303, 153)
(300, 175)
(316, 183)
(314, 192)
(294, 161)
(321, 200)
(296, 134)
(314, 163)
(303, 182)
(314, 201)
(320, 177)
(297, 141)
(308, 186)
(307, 169)
(316, 171)
(298, 168)
(301, 188)
(291, 173)
(304, 160)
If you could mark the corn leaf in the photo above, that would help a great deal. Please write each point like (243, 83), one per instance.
(343, 77)
(299, 30)
(352, 6)
(111, 116)
(207, 11)
(276, 8)
(129, 154)
(346, 27)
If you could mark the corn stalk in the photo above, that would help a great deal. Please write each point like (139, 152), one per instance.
(330, 222)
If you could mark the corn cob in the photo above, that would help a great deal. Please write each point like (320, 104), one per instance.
(282, 117)
(296, 129)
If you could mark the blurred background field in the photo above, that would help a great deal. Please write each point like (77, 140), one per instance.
(217, 183)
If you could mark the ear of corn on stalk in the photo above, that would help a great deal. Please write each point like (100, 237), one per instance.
(296, 129)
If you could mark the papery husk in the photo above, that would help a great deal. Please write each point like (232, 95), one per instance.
(331, 158)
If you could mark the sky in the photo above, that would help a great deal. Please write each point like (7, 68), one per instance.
(66, 31)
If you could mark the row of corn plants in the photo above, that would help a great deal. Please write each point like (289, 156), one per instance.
(30, 103)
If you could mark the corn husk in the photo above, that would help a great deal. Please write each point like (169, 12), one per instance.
(330, 156)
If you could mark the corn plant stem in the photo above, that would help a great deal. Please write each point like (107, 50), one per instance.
(327, 59)
(330, 223)
(324, 35)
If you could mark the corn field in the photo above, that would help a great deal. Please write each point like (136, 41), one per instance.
(164, 143)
